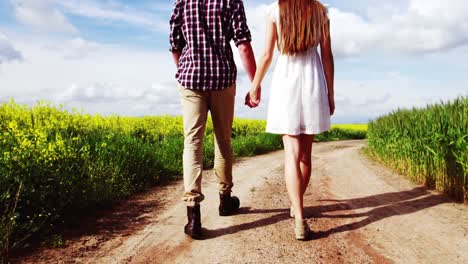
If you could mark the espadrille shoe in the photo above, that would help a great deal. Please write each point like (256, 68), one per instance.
(302, 230)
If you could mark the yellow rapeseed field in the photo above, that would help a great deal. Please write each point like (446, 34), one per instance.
(55, 163)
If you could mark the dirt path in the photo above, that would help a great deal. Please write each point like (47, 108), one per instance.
(360, 213)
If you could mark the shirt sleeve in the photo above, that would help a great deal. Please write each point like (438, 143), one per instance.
(176, 38)
(239, 24)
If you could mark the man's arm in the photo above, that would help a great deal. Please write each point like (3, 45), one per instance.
(176, 56)
(248, 59)
(176, 37)
(242, 37)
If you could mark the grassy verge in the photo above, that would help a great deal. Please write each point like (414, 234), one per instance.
(343, 132)
(430, 145)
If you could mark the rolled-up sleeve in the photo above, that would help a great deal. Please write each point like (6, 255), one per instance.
(176, 38)
(241, 32)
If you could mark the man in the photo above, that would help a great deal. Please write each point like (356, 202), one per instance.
(201, 32)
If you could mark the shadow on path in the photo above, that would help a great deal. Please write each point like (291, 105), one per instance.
(381, 206)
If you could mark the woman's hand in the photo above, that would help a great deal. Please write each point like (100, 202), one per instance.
(253, 97)
(331, 103)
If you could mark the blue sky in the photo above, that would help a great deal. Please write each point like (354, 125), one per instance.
(111, 56)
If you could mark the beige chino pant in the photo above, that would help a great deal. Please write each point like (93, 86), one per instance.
(195, 105)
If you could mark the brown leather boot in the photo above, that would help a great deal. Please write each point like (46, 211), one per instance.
(193, 227)
(228, 205)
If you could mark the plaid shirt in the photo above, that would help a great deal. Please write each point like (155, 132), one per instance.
(202, 31)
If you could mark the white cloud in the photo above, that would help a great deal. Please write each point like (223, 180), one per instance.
(114, 80)
(421, 27)
(154, 94)
(369, 98)
(42, 15)
(50, 15)
(351, 34)
(114, 12)
(109, 79)
(7, 51)
(77, 48)
(414, 27)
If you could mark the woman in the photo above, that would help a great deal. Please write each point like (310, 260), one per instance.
(302, 96)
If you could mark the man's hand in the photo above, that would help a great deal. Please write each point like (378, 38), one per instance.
(331, 102)
(176, 56)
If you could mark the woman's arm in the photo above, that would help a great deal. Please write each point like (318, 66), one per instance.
(328, 68)
(254, 97)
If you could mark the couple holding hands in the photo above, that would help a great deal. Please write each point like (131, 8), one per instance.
(301, 94)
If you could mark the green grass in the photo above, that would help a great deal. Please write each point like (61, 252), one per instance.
(430, 145)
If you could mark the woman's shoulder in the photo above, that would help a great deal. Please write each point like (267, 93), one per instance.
(322, 7)
(273, 10)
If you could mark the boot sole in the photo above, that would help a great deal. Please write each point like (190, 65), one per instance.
(192, 235)
(223, 213)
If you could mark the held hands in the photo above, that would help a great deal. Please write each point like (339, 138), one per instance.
(253, 97)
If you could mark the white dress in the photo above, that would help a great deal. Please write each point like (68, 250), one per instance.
(298, 101)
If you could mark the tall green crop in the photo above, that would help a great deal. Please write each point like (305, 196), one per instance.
(430, 145)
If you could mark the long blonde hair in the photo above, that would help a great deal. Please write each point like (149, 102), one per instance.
(303, 25)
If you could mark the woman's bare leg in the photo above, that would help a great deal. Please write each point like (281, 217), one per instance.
(306, 142)
(292, 173)
(305, 166)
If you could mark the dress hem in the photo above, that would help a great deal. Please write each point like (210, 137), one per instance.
(297, 133)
